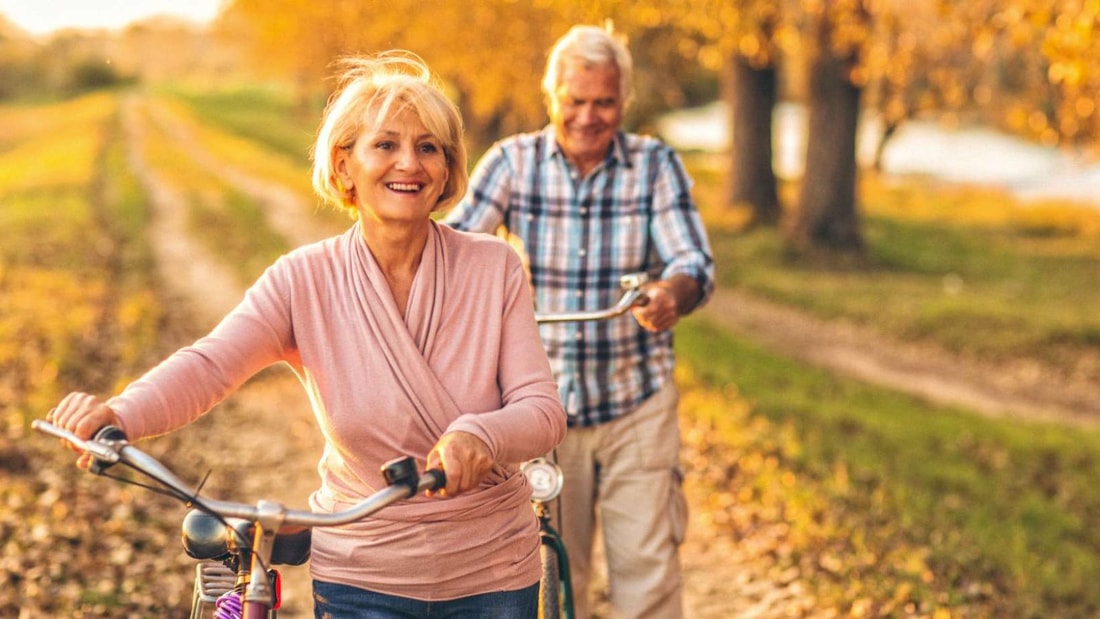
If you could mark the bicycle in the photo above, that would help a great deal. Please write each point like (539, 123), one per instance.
(233, 542)
(243, 540)
(546, 479)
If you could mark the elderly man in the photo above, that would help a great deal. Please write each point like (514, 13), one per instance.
(589, 203)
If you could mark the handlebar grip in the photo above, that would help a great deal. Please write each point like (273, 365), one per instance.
(439, 479)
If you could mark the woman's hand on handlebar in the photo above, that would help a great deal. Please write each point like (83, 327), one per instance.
(464, 458)
(82, 414)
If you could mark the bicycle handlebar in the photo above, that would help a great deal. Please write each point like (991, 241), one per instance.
(110, 447)
(632, 297)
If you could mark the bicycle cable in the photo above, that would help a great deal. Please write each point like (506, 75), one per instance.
(189, 500)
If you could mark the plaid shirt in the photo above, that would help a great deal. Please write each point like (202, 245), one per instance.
(633, 213)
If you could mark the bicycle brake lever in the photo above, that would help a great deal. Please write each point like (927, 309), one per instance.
(635, 295)
(401, 472)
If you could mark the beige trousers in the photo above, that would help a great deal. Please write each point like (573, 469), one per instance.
(625, 476)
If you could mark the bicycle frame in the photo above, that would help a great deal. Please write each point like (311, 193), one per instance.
(545, 476)
(550, 538)
(546, 482)
(264, 519)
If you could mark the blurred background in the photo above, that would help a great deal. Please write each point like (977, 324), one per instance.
(992, 91)
(908, 187)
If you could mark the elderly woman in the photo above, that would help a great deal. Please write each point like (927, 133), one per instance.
(412, 339)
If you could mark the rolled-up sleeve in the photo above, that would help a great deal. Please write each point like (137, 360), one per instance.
(677, 229)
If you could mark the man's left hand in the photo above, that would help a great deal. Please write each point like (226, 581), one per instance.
(661, 312)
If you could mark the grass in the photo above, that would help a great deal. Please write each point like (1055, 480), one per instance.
(930, 509)
(263, 116)
(67, 277)
(80, 308)
(226, 137)
(968, 269)
(983, 517)
(77, 308)
(227, 221)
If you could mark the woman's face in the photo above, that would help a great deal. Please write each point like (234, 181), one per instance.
(398, 170)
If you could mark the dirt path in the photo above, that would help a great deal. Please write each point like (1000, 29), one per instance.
(723, 579)
(273, 412)
(1020, 390)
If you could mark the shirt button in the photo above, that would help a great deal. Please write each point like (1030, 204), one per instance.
(584, 210)
(579, 293)
(582, 252)
(579, 335)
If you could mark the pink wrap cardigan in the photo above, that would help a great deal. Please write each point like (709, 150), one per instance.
(467, 356)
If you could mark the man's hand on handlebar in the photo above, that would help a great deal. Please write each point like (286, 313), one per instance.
(669, 299)
(83, 415)
(465, 459)
(660, 312)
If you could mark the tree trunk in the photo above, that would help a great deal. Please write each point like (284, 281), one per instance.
(827, 217)
(752, 177)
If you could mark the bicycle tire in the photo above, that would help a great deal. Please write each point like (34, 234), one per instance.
(549, 584)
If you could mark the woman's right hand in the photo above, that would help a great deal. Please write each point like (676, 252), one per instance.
(464, 458)
(82, 414)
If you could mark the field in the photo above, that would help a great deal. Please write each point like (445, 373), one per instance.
(840, 497)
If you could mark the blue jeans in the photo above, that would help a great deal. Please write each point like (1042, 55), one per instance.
(333, 601)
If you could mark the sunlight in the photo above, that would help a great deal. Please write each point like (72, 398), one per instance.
(41, 18)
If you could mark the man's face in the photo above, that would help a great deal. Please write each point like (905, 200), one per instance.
(586, 112)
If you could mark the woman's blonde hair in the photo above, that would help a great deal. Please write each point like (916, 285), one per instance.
(371, 89)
